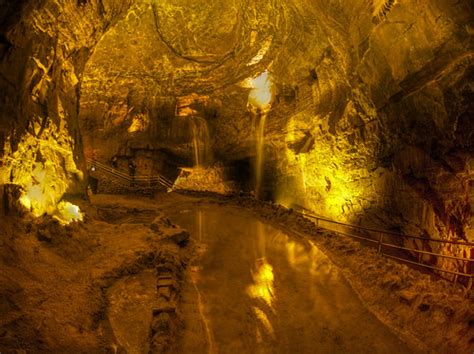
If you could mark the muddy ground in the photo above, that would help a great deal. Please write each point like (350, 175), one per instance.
(69, 289)
(78, 289)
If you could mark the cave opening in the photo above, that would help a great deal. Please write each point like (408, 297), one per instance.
(156, 149)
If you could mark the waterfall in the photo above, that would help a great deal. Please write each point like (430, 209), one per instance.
(259, 130)
(259, 102)
(200, 141)
(197, 160)
(191, 134)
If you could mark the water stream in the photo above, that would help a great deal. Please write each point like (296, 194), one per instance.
(254, 289)
(200, 138)
(192, 133)
(260, 152)
(259, 103)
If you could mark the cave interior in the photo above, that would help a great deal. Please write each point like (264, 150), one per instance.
(118, 114)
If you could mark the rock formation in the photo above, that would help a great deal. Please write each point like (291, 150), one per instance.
(370, 121)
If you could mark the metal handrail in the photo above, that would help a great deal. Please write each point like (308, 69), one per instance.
(463, 243)
(380, 244)
(428, 266)
(427, 252)
(131, 179)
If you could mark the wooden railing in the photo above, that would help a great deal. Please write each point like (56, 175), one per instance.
(379, 238)
(132, 181)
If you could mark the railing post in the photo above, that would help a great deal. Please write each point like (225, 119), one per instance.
(380, 242)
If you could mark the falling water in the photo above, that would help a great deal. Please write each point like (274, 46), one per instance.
(260, 152)
(200, 138)
(197, 160)
(259, 101)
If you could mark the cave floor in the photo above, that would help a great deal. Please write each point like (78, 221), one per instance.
(252, 277)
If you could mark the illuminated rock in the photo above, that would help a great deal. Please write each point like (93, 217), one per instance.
(370, 119)
(43, 166)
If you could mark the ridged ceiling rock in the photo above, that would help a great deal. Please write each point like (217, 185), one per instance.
(371, 120)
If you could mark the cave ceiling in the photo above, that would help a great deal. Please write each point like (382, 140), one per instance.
(163, 51)
(374, 96)
(344, 64)
(184, 47)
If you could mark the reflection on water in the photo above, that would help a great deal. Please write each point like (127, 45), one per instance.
(263, 318)
(262, 291)
(296, 253)
(262, 288)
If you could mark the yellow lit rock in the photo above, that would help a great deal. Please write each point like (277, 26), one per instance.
(328, 176)
(262, 52)
(139, 124)
(263, 318)
(68, 212)
(43, 166)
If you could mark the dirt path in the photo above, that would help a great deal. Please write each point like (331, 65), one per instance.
(254, 289)
(251, 289)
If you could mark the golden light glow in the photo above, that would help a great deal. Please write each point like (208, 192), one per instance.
(296, 254)
(139, 124)
(261, 93)
(263, 282)
(43, 166)
(326, 180)
(210, 179)
(184, 104)
(380, 5)
(68, 212)
(262, 52)
(263, 318)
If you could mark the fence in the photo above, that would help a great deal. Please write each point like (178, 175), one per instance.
(380, 240)
(132, 181)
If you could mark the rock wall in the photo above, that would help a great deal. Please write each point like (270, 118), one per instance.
(44, 47)
(387, 118)
(370, 118)
(371, 110)
(163, 54)
(396, 137)
(211, 179)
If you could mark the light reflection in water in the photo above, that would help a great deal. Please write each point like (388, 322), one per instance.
(263, 318)
(262, 288)
(291, 293)
(296, 253)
